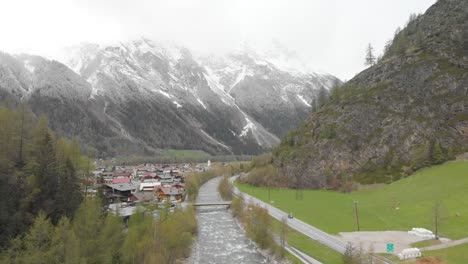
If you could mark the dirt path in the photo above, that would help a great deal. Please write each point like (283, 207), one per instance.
(446, 245)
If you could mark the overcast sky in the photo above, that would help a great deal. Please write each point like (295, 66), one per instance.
(329, 35)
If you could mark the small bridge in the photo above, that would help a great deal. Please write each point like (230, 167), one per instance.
(212, 204)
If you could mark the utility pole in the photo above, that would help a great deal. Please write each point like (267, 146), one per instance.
(269, 199)
(356, 213)
(436, 219)
(269, 188)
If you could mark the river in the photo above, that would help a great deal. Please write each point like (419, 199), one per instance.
(220, 239)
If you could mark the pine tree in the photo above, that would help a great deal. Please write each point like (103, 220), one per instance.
(313, 105)
(43, 170)
(112, 236)
(139, 238)
(438, 155)
(400, 43)
(65, 247)
(387, 47)
(69, 195)
(420, 156)
(322, 97)
(20, 160)
(370, 57)
(36, 174)
(38, 241)
(75, 155)
(87, 225)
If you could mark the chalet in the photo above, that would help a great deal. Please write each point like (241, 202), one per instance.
(127, 174)
(107, 174)
(178, 185)
(149, 185)
(142, 197)
(176, 173)
(121, 180)
(119, 191)
(166, 180)
(169, 193)
(149, 175)
(107, 180)
(97, 173)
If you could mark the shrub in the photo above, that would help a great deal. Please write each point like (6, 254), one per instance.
(225, 188)
(328, 132)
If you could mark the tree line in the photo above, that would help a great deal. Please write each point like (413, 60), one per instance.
(258, 225)
(195, 180)
(44, 217)
(39, 172)
(95, 237)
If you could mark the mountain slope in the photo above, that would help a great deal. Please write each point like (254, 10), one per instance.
(194, 90)
(272, 86)
(408, 111)
(141, 96)
(52, 89)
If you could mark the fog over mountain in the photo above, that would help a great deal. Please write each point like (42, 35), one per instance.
(221, 76)
(330, 36)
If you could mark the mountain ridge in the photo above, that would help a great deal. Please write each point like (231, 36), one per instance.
(144, 97)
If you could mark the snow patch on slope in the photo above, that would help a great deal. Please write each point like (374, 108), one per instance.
(200, 102)
(249, 126)
(240, 77)
(214, 140)
(164, 93)
(29, 66)
(303, 100)
(217, 88)
(177, 104)
(94, 90)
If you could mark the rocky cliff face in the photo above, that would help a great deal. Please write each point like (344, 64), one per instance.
(406, 112)
(141, 96)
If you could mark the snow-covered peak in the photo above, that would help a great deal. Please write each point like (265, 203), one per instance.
(78, 56)
(144, 45)
(276, 55)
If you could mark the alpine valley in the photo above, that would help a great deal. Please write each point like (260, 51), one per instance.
(140, 96)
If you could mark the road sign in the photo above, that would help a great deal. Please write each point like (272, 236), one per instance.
(390, 248)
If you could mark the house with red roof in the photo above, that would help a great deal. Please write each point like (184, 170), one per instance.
(121, 180)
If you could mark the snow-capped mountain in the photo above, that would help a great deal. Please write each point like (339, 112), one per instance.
(274, 87)
(145, 93)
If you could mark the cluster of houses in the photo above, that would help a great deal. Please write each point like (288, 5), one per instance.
(145, 182)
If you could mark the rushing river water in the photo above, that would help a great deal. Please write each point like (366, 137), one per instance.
(220, 239)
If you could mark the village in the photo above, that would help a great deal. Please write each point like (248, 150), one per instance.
(125, 187)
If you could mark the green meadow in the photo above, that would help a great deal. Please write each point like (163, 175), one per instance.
(402, 205)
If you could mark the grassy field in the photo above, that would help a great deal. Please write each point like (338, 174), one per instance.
(452, 255)
(305, 244)
(401, 205)
(175, 154)
(426, 243)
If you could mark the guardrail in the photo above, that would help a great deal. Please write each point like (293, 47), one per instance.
(212, 204)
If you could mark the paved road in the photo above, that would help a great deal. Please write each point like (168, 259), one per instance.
(446, 245)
